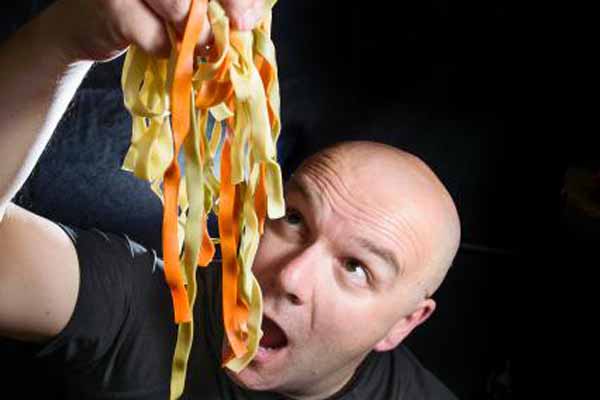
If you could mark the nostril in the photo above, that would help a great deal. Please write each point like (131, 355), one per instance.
(295, 300)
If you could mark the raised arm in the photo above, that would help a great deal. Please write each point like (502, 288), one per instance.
(39, 275)
(42, 66)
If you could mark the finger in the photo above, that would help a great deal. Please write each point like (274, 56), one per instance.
(244, 15)
(146, 29)
(172, 11)
(175, 12)
(206, 36)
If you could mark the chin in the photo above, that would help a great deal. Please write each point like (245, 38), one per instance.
(250, 378)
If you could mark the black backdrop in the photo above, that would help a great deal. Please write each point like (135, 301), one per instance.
(435, 77)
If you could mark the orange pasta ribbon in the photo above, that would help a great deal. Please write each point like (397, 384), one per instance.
(219, 109)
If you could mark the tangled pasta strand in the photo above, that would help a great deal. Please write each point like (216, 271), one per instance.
(170, 102)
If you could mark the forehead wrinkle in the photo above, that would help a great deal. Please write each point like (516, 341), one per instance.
(389, 257)
(296, 184)
(327, 179)
(325, 176)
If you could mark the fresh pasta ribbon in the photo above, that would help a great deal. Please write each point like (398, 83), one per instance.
(219, 110)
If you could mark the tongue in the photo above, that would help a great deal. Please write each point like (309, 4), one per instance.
(273, 336)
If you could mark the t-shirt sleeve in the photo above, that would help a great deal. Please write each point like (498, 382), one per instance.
(123, 310)
(103, 300)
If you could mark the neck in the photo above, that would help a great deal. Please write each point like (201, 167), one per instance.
(329, 386)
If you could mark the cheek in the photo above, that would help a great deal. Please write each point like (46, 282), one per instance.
(346, 321)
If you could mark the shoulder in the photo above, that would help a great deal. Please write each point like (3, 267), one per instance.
(112, 270)
(117, 246)
(419, 382)
(123, 309)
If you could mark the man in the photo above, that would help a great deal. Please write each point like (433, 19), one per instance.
(346, 275)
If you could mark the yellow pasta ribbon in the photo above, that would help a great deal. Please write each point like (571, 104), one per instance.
(171, 102)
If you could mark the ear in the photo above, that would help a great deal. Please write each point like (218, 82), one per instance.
(404, 326)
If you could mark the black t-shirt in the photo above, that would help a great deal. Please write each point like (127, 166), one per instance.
(120, 339)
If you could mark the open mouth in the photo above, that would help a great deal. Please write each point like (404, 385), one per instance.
(273, 340)
(273, 336)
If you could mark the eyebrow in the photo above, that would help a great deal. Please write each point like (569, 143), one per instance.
(390, 259)
(299, 186)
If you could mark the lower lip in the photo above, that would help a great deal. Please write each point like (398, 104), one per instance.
(264, 355)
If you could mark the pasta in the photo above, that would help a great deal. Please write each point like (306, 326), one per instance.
(221, 110)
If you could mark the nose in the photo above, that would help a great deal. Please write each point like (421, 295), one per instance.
(298, 275)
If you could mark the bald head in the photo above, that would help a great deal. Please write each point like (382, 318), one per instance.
(397, 186)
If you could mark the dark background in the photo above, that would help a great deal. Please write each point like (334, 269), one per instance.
(443, 79)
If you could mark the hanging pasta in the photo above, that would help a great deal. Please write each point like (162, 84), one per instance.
(171, 103)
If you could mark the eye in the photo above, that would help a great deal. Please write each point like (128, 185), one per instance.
(293, 217)
(292, 226)
(357, 270)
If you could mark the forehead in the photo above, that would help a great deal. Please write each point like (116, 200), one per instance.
(353, 220)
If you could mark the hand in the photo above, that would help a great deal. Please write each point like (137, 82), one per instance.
(100, 30)
(244, 15)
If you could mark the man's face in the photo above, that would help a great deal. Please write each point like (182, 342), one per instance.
(335, 275)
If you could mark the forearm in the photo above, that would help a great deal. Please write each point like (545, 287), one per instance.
(37, 83)
(39, 76)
